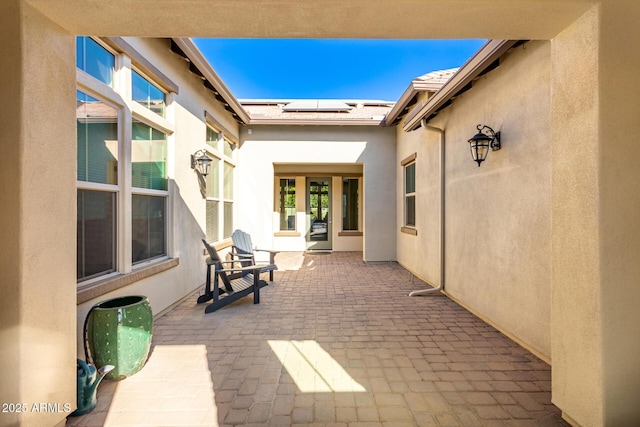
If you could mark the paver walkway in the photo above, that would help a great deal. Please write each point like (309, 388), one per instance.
(336, 342)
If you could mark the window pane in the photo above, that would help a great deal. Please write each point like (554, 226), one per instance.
(228, 148)
(147, 94)
(350, 204)
(410, 178)
(148, 157)
(228, 181)
(287, 204)
(94, 59)
(212, 220)
(96, 224)
(213, 179)
(97, 138)
(410, 210)
(212, 138)
(228, 219)
(148, 227)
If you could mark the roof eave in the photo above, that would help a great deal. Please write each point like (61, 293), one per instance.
(491, 51)
(197, 59)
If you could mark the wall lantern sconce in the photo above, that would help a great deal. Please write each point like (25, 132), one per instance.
(481, 142)
(201, 162)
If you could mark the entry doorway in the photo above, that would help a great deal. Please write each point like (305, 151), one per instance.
(318, 214)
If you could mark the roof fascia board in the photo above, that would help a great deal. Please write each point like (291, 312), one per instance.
(414, 88)
(198, 60)
(491, 51)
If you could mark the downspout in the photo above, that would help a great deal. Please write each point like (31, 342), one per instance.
(440, 288)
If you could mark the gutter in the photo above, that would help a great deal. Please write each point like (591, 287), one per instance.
(439, 290)
(488, 54)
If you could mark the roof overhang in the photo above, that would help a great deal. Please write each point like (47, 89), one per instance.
(201, 67)
(474, 67)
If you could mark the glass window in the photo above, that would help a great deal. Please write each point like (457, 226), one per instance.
(212, 138)
(228, 181)
(147, 94)
(410, 195)
(95, 59)
(350, 204)
(228, 219)
(287, 204)
(97, 138)
(148, 227)
(213, 178)
(213, 208)
(96, 231)
(148, 157)
(228, 200)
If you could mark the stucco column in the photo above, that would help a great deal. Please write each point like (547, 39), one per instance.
(595, 128)
(37, 216)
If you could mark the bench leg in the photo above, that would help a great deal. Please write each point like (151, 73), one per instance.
(208, 295)
(256, 288)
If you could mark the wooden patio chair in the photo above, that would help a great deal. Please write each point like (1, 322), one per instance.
(230, 283)
(245, 252)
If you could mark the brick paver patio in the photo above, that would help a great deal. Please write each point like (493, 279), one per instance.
(335, 342)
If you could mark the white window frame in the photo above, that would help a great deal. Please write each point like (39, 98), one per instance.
(119, 96)
(406, 163)
(217, 152)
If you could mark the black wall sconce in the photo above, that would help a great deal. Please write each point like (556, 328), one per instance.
(481, 142)
(201, 162)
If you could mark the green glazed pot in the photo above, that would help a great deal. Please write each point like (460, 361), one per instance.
(118, 332)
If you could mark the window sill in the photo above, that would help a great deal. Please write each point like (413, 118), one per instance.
(350, 233)
(286, 234)
(409, 230)
(102, 287)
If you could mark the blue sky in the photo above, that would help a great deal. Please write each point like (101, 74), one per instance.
(329, 68)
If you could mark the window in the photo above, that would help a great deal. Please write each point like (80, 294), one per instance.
(410, 191)
(147, 94)
(95, 60)
(148, 214)
(148, 157)
(97, 174)
(148, 171)
(113, 210)
(213, 199)
(287, 204)
(228, 200)
(219, 186)
(96, 221)
(350, 199)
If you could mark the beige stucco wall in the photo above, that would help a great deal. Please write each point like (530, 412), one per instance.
(595, 212)
(334, 148)
(497, 225)
(37, 226)
(186, 206)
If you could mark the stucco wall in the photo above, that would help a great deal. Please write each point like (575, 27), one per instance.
(37, 230)
(186, 206)
(331, 146)
(497, 224)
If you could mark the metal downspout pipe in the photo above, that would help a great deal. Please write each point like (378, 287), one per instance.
(440, 288)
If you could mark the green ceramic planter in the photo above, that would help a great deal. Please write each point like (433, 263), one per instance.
(118, 332)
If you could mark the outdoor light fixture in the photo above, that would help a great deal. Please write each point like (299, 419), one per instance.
(201, 162)
(481, 142)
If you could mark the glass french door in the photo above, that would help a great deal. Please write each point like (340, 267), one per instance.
(318, 215)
